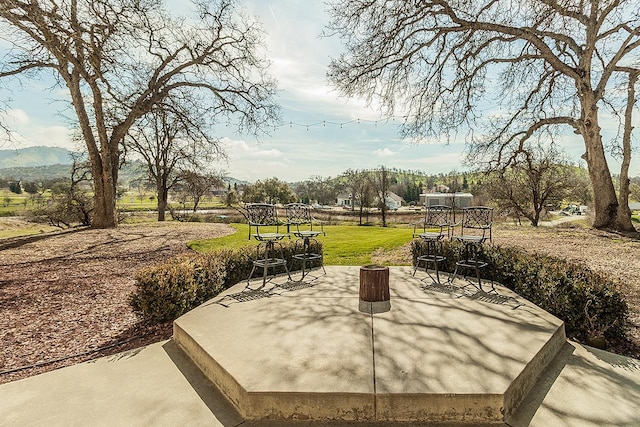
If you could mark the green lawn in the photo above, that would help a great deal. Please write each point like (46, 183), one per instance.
(343, 244)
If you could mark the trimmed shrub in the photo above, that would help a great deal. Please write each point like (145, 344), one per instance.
(588, 303)
(166, 291)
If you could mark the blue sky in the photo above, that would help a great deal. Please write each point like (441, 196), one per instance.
(291, 152)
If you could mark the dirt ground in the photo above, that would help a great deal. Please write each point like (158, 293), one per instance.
(63, 297)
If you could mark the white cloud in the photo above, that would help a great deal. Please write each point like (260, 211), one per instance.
(25, 132)
(383, 152)
(14, 117)
(240, 148)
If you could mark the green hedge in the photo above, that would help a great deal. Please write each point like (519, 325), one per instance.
(588, 303)
(166, 291)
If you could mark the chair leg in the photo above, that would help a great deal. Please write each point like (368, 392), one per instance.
(285, 262)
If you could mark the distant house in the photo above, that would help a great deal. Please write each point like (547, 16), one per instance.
(439, 188)
(458, 200)
(344, 200)
(634, 207)
(394, 201)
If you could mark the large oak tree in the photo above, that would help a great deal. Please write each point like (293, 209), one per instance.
(535, 65)
(120, 58)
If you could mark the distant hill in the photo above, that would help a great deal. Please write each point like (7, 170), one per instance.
(34, 157)
(128, 173)
(36, 173)
(37, 164)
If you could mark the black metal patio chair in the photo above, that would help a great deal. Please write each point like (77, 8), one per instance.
(264, 218)
(476, 225)
(431, 230)
(299, 216)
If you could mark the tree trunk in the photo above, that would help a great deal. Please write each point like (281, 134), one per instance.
(624, 212)
(104, 160)
(605, 200)
(162, 200)
(104, 214)
(535, 220)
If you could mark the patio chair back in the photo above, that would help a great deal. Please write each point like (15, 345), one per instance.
(262, 215)
(477, 219)
(438, 216)
(299, 214)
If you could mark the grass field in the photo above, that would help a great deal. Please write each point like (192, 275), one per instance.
(343, 244)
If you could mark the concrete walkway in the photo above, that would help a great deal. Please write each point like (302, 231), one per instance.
(160, 386)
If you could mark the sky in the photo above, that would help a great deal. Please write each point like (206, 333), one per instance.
(322, 134)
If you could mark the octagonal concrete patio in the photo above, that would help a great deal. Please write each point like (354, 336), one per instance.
(309, 350)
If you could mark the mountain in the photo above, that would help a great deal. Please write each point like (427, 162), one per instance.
(37, 164)
(34, 157)
(36, 173)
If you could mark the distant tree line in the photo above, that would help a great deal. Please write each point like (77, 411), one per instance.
(536, 183)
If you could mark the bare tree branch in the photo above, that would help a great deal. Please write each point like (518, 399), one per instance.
(540, 65)
(121, 59)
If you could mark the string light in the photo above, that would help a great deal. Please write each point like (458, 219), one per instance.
(324, 123)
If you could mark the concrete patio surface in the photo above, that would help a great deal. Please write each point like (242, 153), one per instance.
(308, 350)
(313, 341)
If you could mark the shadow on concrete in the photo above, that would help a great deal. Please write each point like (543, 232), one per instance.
(252, 292)
(429, 343)
(208, 393)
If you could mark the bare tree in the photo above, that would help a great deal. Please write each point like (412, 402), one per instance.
(70, 201)
(537, 179)
(271, 190)
(544, 63)
(317, 188)
(625, 189)
(197, 185)
(120, 58)
(381, 182)
(172, 141)
(634, 189)
(360, 183)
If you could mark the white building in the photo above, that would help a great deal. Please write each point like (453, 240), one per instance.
(394, 201)
(456, 200)
(344, 200)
